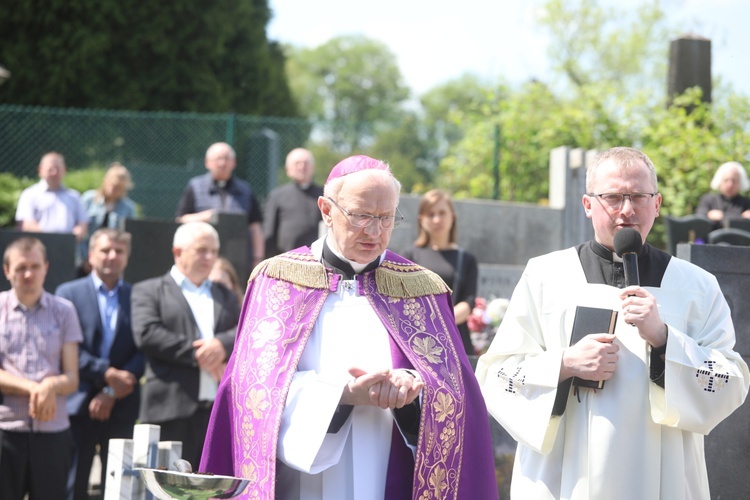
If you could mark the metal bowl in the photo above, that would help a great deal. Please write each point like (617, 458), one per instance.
(173, 485)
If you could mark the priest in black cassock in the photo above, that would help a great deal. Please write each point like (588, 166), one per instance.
(291, 216)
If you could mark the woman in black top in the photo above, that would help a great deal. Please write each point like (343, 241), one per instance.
(730, 180)
(437, 250)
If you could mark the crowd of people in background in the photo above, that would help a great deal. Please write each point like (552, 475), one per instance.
(80, 367)
(177, 330)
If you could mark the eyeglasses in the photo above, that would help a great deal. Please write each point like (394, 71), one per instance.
(615, 200)
(366, 220)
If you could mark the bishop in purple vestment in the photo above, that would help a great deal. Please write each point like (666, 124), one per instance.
(349, 379)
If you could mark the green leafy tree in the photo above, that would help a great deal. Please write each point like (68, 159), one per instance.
(687, 148)
(10, 190)
(183, 55)
(445, 110)
(593, 43)
(349, 84)
(404, 147)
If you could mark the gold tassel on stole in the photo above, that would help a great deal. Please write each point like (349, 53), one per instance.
(392, 279)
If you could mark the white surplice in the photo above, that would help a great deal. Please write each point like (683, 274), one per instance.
(632, 439)
(352, 463)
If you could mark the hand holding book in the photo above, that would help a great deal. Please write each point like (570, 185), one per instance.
(590, 320)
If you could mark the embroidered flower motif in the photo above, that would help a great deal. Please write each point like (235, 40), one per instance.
(249, 471)
(257, 403)
(710, 378)
(438, 484)
(428, 348)
(267, 332)
(443, 406)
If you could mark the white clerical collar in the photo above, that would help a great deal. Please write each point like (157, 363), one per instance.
(317, 251)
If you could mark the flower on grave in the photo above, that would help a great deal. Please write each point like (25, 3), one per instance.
(484, 320)
(486, 314)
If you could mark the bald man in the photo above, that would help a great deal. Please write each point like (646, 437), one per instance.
(50, 207)
(220, 191)
(291, 215)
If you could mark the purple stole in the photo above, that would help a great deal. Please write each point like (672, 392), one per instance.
(454, 456)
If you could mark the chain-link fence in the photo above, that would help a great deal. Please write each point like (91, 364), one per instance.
(161, 150)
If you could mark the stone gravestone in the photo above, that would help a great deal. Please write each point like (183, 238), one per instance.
(498, 280)
(727, 445)
(151, 249)
(151, 253)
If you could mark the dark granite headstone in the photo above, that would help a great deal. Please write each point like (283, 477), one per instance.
(689, 66)
(498, 280)
(235, 243)
(727, 446)
(151, 249)
(151, 253)
(61, 254)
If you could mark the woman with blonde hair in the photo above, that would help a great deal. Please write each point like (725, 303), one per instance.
(436, 248)
(109, 205)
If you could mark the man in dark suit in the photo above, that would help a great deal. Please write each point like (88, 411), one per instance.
(105, 406)
(186, 326)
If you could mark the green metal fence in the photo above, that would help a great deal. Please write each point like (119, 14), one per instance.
(162, 150)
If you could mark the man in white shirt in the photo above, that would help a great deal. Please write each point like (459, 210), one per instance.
(48, 206)
(185, 325)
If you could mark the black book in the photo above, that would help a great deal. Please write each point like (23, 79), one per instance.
(591, 320)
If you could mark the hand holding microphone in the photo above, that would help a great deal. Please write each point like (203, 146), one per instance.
(639, 307)
(628, 245)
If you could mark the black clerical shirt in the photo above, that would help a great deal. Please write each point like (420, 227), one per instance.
(601, 266)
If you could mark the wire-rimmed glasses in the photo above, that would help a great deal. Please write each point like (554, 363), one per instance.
(615, 200)
(366, 220)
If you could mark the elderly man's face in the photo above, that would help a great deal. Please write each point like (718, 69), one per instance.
(52, 170)
(197, 259)
(299, 166)
(362, 193)
(220, 162)
(612, 178)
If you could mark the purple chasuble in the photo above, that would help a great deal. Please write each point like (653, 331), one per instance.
(454, 458)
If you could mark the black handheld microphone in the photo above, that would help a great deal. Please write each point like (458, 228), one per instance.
(628, 244)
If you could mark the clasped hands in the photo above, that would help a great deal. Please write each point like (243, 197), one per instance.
(210, 355)
(42, 400)
(594, 357)
(122, 382)
(394, 388)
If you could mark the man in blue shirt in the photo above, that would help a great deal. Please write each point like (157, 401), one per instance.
(106, 404)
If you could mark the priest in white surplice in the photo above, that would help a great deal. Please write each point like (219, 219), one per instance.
(670, 371)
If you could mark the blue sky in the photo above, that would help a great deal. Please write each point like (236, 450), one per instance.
(437, 40)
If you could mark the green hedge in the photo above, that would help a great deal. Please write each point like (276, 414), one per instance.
(11, 187)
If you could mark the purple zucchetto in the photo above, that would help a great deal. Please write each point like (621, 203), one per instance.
(356, 164)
